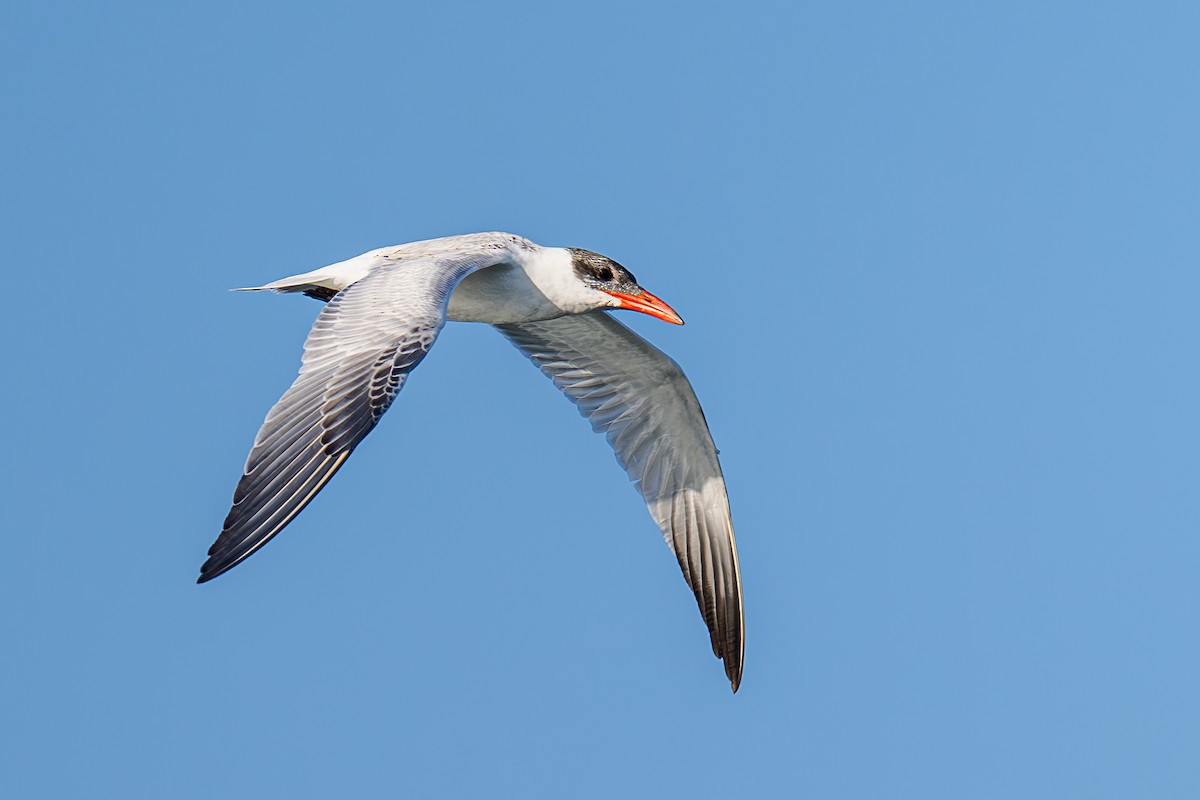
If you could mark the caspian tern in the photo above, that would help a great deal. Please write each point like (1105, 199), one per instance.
(384, 310)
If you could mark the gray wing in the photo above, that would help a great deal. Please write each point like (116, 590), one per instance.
(641, 400)
(356, 358)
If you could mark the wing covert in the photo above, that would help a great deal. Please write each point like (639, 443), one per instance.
(363, 345)
(642, 402)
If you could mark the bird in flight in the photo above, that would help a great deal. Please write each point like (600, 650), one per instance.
(384, 309)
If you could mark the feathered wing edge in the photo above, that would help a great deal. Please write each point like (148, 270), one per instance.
(365, 342)
(643, 403)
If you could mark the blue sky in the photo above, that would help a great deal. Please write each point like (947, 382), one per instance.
(939, 267)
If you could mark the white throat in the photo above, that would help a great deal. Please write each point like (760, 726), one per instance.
(540, 284)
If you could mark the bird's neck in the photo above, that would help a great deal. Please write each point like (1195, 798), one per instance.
(539, 284)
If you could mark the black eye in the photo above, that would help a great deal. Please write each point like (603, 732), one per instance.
(605, 274)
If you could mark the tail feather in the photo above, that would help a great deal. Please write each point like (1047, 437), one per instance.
(321, 283)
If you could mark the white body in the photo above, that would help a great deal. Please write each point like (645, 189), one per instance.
(516, 289)
(384, 311)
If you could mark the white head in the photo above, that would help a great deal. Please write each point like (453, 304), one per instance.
(586, 281)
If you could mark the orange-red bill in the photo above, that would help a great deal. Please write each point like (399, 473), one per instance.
(648, 304)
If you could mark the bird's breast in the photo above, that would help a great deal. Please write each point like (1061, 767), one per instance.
(499, 295)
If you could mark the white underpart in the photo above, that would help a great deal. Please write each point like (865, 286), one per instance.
(390, 305)
(522, 281)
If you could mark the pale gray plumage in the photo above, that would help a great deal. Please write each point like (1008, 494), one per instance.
(363, 345)
(384, 312)
(641, 401)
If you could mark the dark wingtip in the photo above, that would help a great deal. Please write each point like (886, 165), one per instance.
(212, 568)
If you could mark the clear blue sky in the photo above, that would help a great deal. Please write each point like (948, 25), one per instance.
(940, 268)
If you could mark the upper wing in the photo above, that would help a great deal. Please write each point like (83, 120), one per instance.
(641, 400)
(362, 347)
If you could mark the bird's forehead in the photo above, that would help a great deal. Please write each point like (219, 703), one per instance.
(586, 259)
(588, 264)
